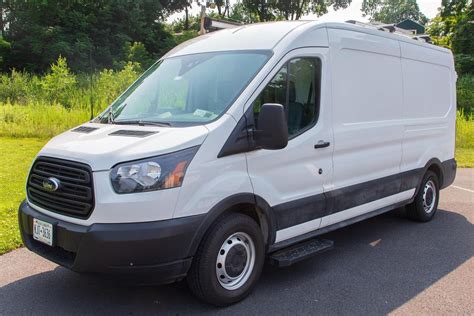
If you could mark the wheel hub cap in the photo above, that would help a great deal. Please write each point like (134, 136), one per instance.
(429, 196)
(235, 261)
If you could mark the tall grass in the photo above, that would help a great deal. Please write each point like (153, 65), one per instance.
(464, 130)
(44, 106)
(39, 119)
(62, 87)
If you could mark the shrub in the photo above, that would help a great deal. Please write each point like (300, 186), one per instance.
(110, 84)
(465, 94)
(59, 83)
(464, 64)
(14, 87)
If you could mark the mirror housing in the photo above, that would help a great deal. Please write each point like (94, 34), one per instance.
(272, 127)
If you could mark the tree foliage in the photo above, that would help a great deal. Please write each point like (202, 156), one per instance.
(268, 10)
(451, 14)
(463, 43)
(240, 13)
(84, 31)
(453, 28)
(393, 11)
(463, 37)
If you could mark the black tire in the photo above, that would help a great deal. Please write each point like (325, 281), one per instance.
(202, 278)
(416, 210)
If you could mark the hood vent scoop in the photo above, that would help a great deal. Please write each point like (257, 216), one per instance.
(84, 129)
(132, 133)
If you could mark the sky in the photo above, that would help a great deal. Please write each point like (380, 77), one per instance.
(428, 7)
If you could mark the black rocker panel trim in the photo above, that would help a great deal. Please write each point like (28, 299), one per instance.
(320, 205)
(300, 211)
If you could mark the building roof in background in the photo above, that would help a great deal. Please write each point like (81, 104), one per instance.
(212, 24)
(411, 25)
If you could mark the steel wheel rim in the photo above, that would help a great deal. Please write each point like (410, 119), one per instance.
(429, 196)
(236, 253)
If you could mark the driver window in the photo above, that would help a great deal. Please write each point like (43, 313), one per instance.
(297, 87)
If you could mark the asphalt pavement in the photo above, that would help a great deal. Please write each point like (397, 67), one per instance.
(387, 264)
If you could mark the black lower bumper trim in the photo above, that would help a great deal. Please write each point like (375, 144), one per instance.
(153, 249)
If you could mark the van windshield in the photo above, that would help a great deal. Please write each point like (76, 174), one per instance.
(186, 90)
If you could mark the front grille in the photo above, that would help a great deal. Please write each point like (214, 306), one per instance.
(75, 195)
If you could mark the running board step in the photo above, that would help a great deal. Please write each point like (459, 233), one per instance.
(292, 254)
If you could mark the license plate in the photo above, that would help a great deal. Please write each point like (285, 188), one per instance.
(43, 231)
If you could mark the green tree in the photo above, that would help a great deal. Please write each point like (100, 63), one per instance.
(262, 9)
(443, 26)
(179, 25)
(463, 37)
(453, 28)
(223, 7)
(240, 13)
(463, 43)
(267, 10)
(296, 9)
(393, 11)
(41, 30)
(136, 53)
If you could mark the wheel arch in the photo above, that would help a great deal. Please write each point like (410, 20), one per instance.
(244, 203)
(434, 165)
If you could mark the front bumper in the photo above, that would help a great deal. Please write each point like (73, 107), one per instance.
(158, 251)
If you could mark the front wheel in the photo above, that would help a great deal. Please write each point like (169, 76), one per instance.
(426, 201)
(228, 262)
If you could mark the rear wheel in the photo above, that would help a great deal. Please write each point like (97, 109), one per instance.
(426, 201)
(228, 262)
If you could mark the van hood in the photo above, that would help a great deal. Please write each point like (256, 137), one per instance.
(102, 146)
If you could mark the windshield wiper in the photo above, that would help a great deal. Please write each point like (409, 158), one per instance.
(142, 123)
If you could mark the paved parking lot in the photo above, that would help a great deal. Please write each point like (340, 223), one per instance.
(387, 264)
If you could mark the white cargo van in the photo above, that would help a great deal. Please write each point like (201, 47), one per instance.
(242, 145)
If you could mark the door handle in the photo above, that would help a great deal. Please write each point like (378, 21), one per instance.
(322, 144)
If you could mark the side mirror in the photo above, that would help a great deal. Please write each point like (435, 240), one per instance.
(272, 127)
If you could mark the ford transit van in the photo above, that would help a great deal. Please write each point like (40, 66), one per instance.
(245, 145)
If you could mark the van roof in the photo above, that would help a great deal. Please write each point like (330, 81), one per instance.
(267, 35)
(260, 36)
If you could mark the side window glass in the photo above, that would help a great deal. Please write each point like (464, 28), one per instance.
(297, 87)
(274, 92)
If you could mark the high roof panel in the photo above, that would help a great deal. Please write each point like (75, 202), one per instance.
(248, 37)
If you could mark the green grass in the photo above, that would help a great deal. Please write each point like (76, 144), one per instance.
(39, 119)
(15, 160)
(465, 157)
(464, 130)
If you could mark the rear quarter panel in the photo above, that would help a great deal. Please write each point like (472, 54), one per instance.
(429, 105)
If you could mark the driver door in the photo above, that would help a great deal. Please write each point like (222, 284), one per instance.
(293, 180)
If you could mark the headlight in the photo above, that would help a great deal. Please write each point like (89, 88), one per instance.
(151, 174)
